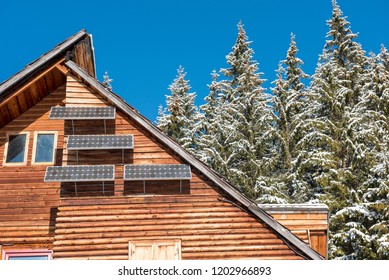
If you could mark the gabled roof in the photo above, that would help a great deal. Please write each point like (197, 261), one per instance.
(299, 246)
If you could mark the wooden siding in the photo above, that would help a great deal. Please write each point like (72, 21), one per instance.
(28, 206)
(310, 225)
(83, 55)
(97, 225)
(93, 226)
(207, 228)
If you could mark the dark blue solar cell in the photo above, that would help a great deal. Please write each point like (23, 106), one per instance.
(157, 172)
(80, 173)
(82, 113)
(95, 142)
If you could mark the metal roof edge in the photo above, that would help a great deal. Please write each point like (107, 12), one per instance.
(289, 237)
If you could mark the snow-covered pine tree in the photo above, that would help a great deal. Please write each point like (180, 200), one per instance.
(180, 119)
(210, 126)
(327, 150)
(374, 192)
(237, 139)
(289, 103)
(339, 144)
(107, 81)
(362, 230)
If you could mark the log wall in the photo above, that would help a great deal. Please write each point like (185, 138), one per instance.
(101, 227)
(96, 225)
(28, 206)
(208, 228)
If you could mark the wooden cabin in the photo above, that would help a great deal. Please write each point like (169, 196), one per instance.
(83, 175)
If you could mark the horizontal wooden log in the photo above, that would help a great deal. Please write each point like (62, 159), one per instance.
(83, 214)
(29, 204)
(190, 240)
(139, 218)
(135, 203)
(111, 257)
(21, 234)
(152, 199)
(238, 254)
(94, 247)
(169, 232)
(224, 224)
(231, 248)
(93, 253)
(27, 240)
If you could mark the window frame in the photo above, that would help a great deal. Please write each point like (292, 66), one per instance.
(25, 149)
(27, 253)
(34, 148)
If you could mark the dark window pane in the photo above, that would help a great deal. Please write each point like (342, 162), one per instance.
(16, 148)
(44, 148)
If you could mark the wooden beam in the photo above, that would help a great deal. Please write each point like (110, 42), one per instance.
(62, 69)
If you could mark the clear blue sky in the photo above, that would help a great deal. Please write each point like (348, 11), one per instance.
(142, 43)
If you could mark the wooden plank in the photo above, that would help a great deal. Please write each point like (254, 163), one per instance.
(61, 69)
(152, 219)
(42, 88)
(22, 102)
(13, 108)
(91, 238)
(50, 81)
(35, 93)
(5, 115)
(28, 98)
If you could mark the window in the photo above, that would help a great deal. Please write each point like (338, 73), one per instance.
(154, 250)
(27, 255)
(44, 147)
(16, 148)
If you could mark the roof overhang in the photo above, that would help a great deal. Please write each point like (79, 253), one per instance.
(44, 75)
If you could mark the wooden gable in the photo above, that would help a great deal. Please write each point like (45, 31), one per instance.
(208, 222)
(209, 217)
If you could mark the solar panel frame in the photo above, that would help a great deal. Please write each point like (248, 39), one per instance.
(82, 113)
(71, 172)
(95, 142)
(180, 171)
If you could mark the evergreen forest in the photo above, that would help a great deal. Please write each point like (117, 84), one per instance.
(309, 139)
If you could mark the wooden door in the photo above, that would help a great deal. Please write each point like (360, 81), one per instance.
(154, 250)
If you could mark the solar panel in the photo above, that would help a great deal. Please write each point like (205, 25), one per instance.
(146, 172)
(82, 113)
(97, 142)
(80, 173)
